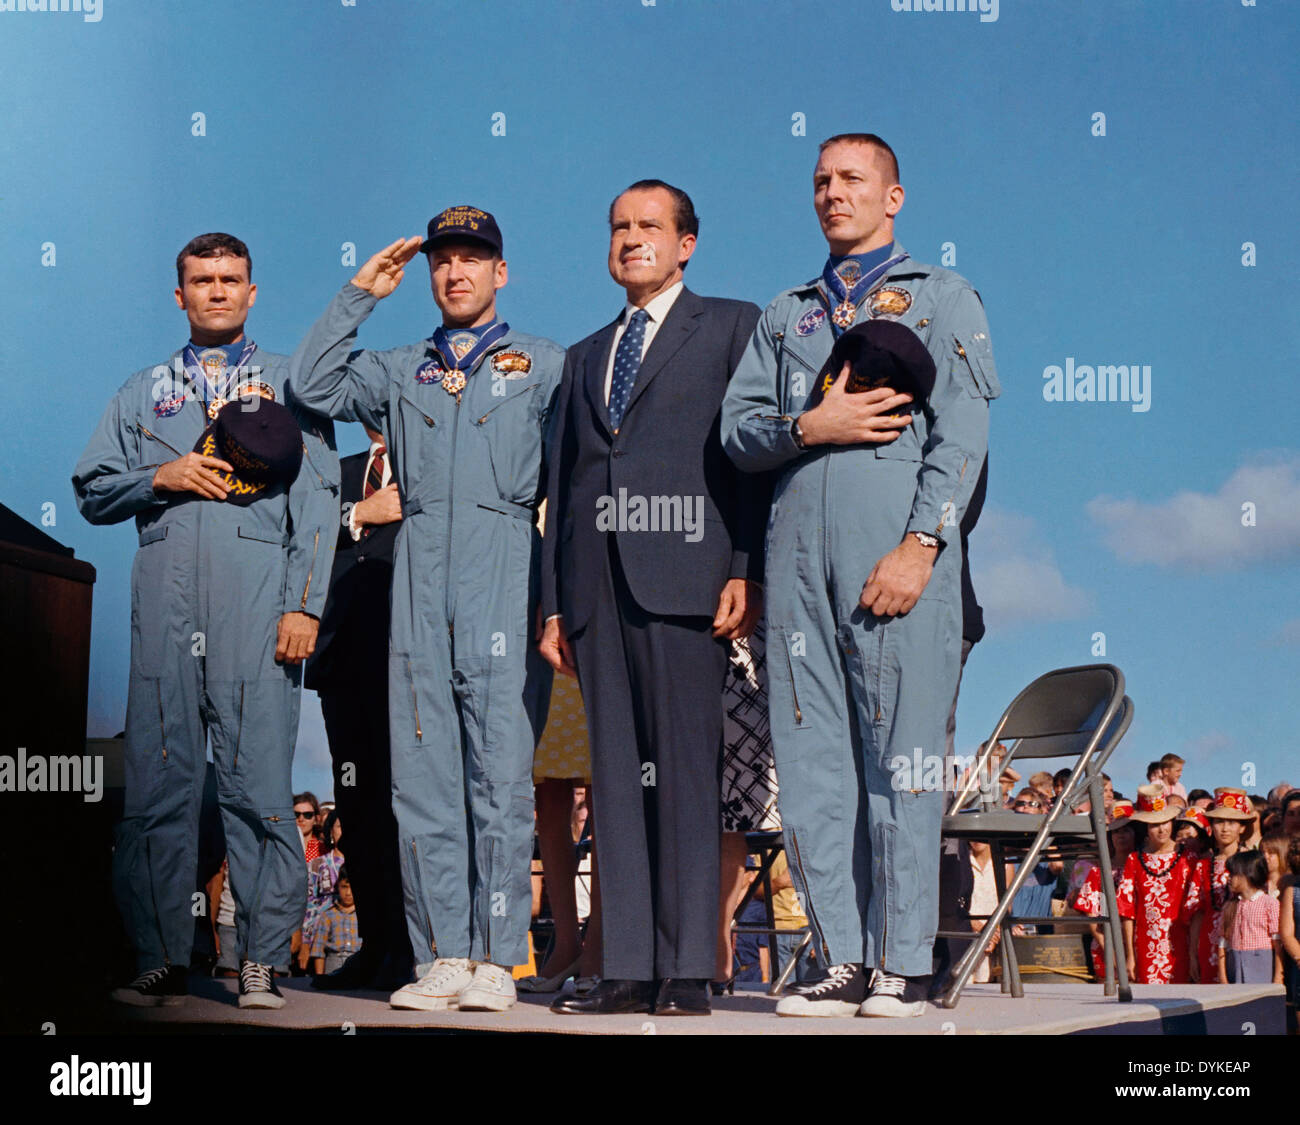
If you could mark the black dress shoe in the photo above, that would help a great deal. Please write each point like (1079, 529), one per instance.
(683, 997)
(609, 997)
(357, 972)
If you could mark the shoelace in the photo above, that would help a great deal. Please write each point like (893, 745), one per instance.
(443, 972)
(839, 976)
(886, 984)
(149, 978)
(255, 977)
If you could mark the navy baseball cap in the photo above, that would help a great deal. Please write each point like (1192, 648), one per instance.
(463, 222)
(261, 439)
(881, 353)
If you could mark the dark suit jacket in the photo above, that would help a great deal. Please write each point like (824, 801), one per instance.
(353, 636)
(667, 452)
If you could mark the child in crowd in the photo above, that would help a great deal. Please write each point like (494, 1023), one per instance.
(1089, 900)
(1171, 769)
(1158, 896)
(1227, 817)
(1192, 834)
(1248, 951)
(336, 937)
(1275, 845)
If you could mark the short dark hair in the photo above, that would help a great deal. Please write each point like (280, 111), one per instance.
(1290, 799)
(308, 796)
(878, 143)
(1252, 865)
(215, 245)
(684, 217)
(1199, 795)
(342, 875)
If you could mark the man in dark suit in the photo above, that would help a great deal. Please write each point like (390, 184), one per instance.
(651, 564)
(349, 670)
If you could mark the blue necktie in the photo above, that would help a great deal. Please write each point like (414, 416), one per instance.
(627, 362)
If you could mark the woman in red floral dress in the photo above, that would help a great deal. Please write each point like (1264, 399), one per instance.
(1228, 817)
(1158, 896)
(1089, 899)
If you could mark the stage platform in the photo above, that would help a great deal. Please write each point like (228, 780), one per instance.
(1046, 1009)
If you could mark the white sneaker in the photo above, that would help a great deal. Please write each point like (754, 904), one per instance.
(895, 997)
(438, 989)
(492, 990)
(840, 993)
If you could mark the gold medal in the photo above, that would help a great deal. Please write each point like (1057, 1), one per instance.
(214, 407)
(844, 314)
(453, 382)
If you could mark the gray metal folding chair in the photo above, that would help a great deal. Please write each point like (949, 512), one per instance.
(1080, 713)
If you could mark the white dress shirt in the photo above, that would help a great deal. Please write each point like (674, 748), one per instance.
(388, 476)
(657, 309)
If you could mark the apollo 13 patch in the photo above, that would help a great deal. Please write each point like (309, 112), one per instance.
(889, 302)
(512, 364)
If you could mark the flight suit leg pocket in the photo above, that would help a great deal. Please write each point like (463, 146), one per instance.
(408, 712)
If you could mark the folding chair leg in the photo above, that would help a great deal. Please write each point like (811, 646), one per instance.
(778, 985)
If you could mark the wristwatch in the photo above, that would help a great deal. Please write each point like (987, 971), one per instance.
(926, 539)
(797, 433)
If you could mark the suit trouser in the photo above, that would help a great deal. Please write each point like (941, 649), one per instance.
(252, 724)
(356, 723)
(652, 687)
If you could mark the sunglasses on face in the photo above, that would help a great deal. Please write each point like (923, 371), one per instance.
(308, 815)
(1027, 805)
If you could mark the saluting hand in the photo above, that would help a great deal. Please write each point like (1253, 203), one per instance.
(384, 272)
(850, 419)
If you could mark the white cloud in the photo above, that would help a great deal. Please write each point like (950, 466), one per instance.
(1203, 531)
(1015, 575)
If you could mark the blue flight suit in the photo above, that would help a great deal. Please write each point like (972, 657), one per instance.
(208, 587)
(849, 692)
(467, 690)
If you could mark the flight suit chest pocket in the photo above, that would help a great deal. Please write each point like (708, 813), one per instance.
(799, 375)
(512, 432)
(973, 364)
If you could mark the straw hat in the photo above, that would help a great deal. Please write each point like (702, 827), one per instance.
(1230, 804)
(1152, 805)
(1121, 812)
(1196, 817)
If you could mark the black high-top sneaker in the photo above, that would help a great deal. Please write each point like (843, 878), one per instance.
(895, 996)
(257, 986)
(166, 985)
(839, 993)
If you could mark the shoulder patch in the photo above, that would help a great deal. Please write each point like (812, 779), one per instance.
(431, 371)
(812, 320)
(512, 364)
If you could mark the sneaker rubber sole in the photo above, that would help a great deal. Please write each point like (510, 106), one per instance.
(472, 1000)
(890, 1007)
(801, 1006)
(260, 1000)
(412, 1002)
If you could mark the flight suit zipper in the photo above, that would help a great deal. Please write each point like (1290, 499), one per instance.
(419, 883)
(415, 703)
(794, 691)
(162, 722)
(451, 515)
(150, 434)
(239, 729)
(803, 878)
(315, 547)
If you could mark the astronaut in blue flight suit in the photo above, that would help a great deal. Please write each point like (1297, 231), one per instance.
(864, 594)
(465, 415)
(226, 592)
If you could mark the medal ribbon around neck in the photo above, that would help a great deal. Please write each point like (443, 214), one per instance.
(460, 361)
(845, 312)
(219, 395)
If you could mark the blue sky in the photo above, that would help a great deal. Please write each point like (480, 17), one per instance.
(328, 124)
